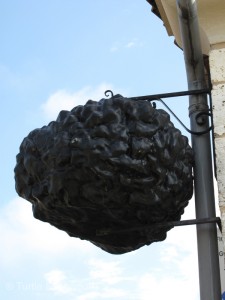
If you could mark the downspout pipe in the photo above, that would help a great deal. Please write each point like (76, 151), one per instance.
(208, 259)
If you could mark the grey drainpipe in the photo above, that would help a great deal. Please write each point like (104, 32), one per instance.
(209, 274)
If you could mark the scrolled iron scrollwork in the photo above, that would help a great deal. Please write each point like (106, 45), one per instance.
(153, 98)
(107, 92)
(198, 115)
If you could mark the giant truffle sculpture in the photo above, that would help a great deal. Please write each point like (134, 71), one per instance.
(116, 166)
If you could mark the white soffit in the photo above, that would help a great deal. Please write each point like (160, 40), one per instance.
(211, 15)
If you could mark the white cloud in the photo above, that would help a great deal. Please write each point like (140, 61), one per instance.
(104, 276)
(178, 253)
(134, 43)
(65, 100)
(19, 230)
(58, 282)
(180, 265)
(105, 293)
(176, 274)
(169, 254)
(184, 237)
(165, 286)
(130, 45)
(173, 273)
(106, 279)
(109, 272)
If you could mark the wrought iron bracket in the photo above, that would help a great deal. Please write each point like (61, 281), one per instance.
(108, 231)
(158, 97)
(165, 95)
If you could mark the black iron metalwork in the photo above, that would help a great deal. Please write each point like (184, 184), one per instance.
(165, 95)
(107, 92)
(114, 163)
(200, 117)
(107, 231)
(172, 94)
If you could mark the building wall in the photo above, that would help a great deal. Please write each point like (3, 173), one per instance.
(217, 70)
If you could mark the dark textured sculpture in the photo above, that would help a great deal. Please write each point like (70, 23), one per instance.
(114, 164)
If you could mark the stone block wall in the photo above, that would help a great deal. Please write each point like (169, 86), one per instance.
(217, 69)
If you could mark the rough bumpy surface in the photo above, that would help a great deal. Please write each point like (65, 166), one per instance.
(114, 164)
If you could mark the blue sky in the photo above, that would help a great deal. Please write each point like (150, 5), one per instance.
(55, 55)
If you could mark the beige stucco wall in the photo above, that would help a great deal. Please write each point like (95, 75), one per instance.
(217, 69)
